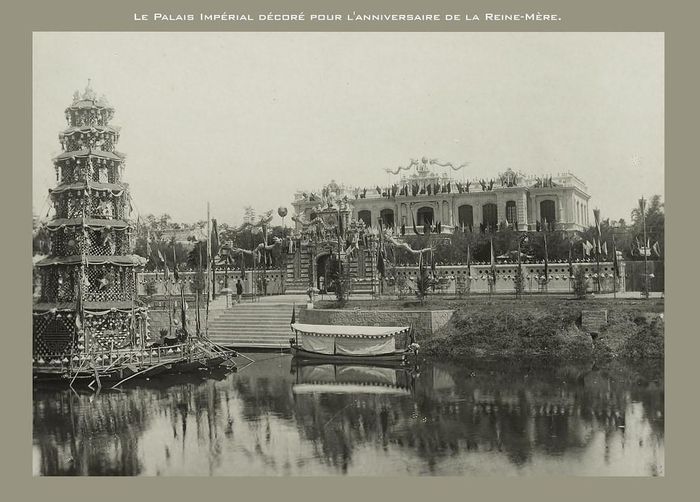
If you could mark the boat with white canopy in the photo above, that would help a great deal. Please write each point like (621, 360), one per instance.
(353, 343)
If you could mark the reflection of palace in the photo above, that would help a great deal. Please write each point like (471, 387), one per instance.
(270, 420)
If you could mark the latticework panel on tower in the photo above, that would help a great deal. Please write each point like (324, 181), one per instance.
(71, 241)
(92, 168)
(56, 334)
(98, 205)
(102, 283)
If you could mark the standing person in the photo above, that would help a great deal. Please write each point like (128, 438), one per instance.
(239, 291)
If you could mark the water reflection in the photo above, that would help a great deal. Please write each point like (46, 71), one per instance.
(275, 418)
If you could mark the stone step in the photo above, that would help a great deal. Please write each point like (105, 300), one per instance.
(254, 318)
(251, 333)
(249, 338)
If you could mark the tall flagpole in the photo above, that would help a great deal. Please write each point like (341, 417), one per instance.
(615, 265)
(646, 247)
(208, 284)
(208, 253)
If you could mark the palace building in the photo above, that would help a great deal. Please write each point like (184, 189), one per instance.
(426, 202)
(441, 202)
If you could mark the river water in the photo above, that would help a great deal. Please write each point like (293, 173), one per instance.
(274, 417)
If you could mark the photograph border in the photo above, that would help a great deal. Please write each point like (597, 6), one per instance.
(672, 18)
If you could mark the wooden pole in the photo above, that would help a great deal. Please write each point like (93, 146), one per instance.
(614, 271)
(646, 248)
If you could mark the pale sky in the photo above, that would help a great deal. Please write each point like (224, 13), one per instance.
(246, 119)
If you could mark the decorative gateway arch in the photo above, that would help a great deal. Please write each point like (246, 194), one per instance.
(326, 238)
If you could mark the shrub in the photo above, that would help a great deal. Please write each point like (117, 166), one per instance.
(580, 285)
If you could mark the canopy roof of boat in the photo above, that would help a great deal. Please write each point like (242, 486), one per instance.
(349, 331)
(344, 388)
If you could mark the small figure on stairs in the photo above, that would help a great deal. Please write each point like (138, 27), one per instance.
(239, 291)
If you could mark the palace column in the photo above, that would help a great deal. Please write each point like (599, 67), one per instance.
(521, 206)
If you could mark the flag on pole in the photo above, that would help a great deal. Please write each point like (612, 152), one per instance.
(294, 316)
(605, 248)
(469, 262)
(493, 262)
(616, 263)
(655, 248)
(176, 272)
(642, 207)
(341, 229)
(149, 251)
(166, 271)
(586, 246)
(214, 238)
(546, 260)
(413, 220)
(596, 216)
(183, 307)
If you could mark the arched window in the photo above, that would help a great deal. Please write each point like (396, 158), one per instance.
(547, 212)
(387, 217)
(366, 216)
(511, 212)
(425, 216)
(465, 215)
(490, 215)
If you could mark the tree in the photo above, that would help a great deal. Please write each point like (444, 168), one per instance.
(342, 282)
(580, 285)
(654, 219)
(519, 282)
(423, 284)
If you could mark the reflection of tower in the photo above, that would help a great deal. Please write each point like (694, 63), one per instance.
(90, 269)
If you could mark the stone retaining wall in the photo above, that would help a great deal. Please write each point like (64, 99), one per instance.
(425, 322)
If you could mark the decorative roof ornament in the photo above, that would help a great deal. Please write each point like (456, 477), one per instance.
(448, 164)
(423, 166)
(509, 178)
(89, 93)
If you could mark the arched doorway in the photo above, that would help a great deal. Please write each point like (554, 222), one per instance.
(490, 215)
(425, 216)
(387, 217)
(511, 212)
(365, 216)
(326, 271)
(547, 212)
(466, 216)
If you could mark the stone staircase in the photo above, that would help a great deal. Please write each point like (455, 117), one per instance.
(263, 324)
(299, 284)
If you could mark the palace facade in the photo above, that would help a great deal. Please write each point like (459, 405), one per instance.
(443, 203)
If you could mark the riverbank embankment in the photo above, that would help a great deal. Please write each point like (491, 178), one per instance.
(539, 327)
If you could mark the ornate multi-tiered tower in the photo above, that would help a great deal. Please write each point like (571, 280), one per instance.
(88, 282)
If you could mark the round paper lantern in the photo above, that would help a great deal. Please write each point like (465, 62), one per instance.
(282, 211)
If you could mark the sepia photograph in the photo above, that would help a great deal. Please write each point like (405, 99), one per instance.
(348, 254)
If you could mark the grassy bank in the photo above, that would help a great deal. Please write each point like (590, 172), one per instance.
(550, 328)
(536, 326)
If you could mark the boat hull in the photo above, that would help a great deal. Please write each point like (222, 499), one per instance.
(394, 357)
